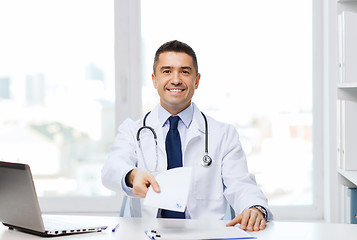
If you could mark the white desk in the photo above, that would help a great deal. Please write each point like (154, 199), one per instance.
(133, 228)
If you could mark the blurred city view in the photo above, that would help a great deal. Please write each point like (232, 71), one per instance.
(57, 92)
(62, 132)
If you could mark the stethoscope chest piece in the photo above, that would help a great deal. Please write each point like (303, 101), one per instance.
(206, 161)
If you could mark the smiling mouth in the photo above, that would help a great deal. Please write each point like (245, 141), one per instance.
(174, 90)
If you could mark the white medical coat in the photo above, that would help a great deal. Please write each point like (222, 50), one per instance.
(227, 179)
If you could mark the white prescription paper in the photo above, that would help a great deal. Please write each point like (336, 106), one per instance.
(174, 185)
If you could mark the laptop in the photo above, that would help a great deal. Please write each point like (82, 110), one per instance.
(20, 209)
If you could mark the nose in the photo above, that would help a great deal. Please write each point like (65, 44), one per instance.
(176, 78)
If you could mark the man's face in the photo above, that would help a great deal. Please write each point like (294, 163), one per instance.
(175, 79)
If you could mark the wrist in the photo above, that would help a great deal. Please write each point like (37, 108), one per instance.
(261, 209)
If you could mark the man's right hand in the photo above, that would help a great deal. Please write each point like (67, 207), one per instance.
(140, 180)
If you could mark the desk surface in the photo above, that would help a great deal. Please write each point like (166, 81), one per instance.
(133, 228)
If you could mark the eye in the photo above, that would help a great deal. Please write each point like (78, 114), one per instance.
(166, 71)
(185, 72)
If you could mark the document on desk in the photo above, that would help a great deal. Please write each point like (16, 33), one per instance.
(174, 185)
(194, 234)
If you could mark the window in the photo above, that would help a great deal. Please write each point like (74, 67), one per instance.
(57, 87)
(255, 58)
(57, 92)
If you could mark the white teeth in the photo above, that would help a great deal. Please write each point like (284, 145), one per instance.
(176, 90)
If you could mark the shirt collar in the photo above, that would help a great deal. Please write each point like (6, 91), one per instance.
(186, 115)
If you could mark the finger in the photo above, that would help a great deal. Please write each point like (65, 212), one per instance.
(235, 221)
(257, 224)
(251, 221)
(139, 192)
(245, 219)
(263, 224)
(154, 183)
(140, 189)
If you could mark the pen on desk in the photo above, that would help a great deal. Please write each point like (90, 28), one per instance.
(115, 228)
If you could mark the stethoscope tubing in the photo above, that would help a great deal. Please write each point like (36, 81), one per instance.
(206, 133)
(206, 159)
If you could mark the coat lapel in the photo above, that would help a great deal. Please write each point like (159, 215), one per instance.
(196, 128)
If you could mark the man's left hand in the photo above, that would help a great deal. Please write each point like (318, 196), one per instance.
(250, 219)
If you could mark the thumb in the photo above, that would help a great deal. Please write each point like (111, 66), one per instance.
(154, 184)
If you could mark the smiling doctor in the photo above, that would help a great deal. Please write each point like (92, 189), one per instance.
(222, 178)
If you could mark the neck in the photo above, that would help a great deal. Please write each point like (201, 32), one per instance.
(174, 110)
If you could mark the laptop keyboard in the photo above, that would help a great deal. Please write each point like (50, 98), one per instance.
(56, 223)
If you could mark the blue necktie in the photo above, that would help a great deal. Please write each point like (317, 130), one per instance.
(174, 158)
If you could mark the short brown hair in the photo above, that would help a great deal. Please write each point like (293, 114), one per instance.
(176, 46)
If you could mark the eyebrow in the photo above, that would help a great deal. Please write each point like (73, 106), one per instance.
(169, 67)
(165, 67)
(189, 68)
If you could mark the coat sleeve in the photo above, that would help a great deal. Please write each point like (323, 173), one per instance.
(240, 188)
(121, 159)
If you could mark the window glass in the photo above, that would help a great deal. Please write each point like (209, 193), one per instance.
(57, 91)
(255, 58)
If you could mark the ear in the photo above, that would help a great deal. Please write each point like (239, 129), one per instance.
(198, 77)
(154, 81)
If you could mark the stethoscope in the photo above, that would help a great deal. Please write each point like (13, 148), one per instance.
(206, 160)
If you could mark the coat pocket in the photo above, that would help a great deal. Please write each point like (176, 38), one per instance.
(207, 182)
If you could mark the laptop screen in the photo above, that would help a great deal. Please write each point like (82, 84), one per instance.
(18, 200)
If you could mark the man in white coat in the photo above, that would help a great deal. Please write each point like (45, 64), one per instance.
(130, 168)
